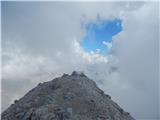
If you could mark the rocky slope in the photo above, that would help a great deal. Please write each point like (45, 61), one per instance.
(70, 97)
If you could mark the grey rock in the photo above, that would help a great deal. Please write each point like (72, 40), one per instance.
(70, 97)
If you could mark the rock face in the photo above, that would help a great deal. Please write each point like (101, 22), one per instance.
(70, 97)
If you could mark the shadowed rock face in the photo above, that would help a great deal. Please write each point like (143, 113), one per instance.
(70, 97)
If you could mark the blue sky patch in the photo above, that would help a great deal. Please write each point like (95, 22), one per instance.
(100, 32)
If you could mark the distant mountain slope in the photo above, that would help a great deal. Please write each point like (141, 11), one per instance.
(70, 97)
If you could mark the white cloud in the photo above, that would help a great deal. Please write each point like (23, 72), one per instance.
(108, 45)
(89, 57)
(137, 48)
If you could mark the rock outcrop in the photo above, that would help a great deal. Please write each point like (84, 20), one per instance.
(70, 97)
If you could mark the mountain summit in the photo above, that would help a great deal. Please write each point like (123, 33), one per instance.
(70, 97)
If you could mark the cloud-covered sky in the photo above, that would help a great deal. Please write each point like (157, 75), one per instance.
(42, 40)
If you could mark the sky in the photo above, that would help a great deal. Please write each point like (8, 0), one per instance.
(114, 43)
(98, 36)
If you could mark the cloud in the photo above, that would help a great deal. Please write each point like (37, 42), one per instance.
(42, 40)
(108, 45)
(90, 57)
(137, 48)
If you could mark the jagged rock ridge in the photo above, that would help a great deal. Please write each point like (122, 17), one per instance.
(70, 97)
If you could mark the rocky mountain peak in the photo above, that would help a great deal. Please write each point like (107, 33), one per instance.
(70, 97)
(78, 73)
